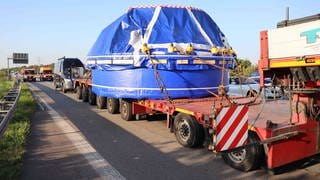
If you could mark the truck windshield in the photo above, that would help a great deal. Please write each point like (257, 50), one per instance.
(47, 71)
(75, 71)
(29, 72)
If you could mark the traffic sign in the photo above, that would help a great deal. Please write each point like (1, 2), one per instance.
(20, 58)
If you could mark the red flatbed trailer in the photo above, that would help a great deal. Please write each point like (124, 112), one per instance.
(193, 121)
(275, 131)
(200, 108)
(279, 132)
(248, 132)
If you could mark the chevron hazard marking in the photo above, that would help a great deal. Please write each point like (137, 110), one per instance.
(232, 127)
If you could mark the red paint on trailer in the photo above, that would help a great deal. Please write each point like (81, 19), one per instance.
(231, 119)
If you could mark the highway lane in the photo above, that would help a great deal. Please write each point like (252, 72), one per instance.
(146, 149)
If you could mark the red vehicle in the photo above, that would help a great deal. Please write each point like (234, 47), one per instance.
(28, 74)
(285, 131)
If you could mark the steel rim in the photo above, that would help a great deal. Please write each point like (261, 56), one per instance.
(109, 104)
(124, 109)
(184, 130)
(237, 156)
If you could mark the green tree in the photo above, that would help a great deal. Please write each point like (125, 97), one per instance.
(243, 68)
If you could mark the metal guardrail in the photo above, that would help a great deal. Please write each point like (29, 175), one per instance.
(7, 106)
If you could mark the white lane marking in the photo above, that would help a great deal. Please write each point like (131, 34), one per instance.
(97, 162)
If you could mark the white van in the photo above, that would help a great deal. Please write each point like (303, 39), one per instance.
(65, 71)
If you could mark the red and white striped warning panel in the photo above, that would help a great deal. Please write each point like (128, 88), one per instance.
(232, 127)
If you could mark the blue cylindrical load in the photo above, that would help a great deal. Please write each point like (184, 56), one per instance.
(122, 67)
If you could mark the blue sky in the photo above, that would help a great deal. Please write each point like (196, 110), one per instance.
(48, 30)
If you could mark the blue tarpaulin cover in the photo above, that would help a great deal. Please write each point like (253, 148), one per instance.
(121, 69)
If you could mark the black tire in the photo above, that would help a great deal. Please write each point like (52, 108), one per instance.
(85, 94)
(63, 88)
(248, 158)
(92, 97)
(113, 105)
(101, 102)
(187, 131)
(79, 92)
(126, 109)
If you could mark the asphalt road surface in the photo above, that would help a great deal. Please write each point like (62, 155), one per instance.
(145, 149)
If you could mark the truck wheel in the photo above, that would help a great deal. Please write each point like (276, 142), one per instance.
(63, 88)
(113, 105)
(85, 94)
(101, 102)
(187, 131)
(92, 97)
(248, 158)
(79, 92)
(126, 109)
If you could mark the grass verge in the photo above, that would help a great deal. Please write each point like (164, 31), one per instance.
(12, 144)
(5, 87)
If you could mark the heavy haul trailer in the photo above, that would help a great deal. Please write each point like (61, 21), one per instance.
(193, 121)
(220, 122)
(286, 131)
(247, 132)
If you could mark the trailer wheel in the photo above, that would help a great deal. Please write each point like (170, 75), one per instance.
(126, 109)
(248, 158)
(187, 131)
(79, 92)
(92, 97)
(112, 105)
(85, 94)
(101, 102)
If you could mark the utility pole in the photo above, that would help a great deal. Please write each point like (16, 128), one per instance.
(8, 67)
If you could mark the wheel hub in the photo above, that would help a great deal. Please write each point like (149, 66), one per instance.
(184, 130)
(237, 156)
(109, 104)
(124, 109)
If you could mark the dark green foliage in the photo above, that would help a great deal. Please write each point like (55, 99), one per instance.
(243, 68)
